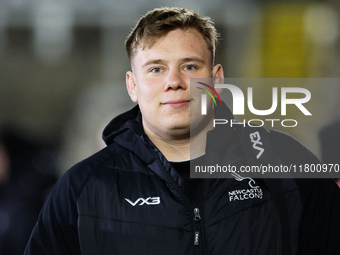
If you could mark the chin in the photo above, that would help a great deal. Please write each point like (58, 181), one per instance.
(180, 129)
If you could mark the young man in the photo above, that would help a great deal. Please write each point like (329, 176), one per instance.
(136, 197)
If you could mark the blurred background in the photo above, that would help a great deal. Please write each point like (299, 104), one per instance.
(63, 64)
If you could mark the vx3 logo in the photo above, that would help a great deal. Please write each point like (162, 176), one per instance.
(255, 139)
(147, 201)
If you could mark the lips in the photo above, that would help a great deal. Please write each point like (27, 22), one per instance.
(177, 103)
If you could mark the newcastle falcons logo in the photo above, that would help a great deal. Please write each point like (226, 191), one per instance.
(253, 192)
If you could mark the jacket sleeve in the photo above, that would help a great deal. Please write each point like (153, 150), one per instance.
(319, 233)
(320, 222)
(56, 229)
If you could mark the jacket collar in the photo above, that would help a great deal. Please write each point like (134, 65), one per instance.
(130, 120)
(127, 130)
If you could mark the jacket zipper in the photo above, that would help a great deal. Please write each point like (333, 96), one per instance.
(199, 230)
(197, 216)
(197, 219)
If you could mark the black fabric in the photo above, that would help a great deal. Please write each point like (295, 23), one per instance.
(274, 185)
(128, 199)
(192, 187)
(277, 191)
(330, 143)
(320, 196)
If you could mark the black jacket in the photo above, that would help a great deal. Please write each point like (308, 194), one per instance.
(128, 199)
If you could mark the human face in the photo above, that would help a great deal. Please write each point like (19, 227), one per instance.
(160, 82)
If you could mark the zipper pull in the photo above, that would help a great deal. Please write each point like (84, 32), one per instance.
(197, 214)
(197, 233)
(197, 238)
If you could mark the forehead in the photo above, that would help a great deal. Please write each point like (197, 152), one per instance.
(179, 43)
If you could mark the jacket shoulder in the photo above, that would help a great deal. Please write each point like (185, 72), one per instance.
(290, 150)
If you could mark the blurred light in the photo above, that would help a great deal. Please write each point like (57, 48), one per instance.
(4, 222)
(3, 23)
(119, 13)
(322, 24)
(16, 3)
(239, 13)
(53, 31)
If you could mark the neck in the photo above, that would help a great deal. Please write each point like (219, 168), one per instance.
(181, 148)
(178, 150)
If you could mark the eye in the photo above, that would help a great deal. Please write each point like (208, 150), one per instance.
(156, 70)
(190, 67)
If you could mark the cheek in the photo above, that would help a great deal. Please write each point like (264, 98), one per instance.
(146, 97)
(148, 91)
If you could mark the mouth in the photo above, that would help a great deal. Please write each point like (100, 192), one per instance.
(177, 103)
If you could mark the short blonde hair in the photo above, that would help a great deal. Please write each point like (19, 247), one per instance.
(157, 23)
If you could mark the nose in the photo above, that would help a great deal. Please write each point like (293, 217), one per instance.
(174, 80)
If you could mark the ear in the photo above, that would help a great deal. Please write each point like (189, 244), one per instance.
(218, 76)
(131, 86)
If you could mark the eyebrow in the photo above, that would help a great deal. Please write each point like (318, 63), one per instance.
(153, 61)
(183, 60)
(193, 59)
